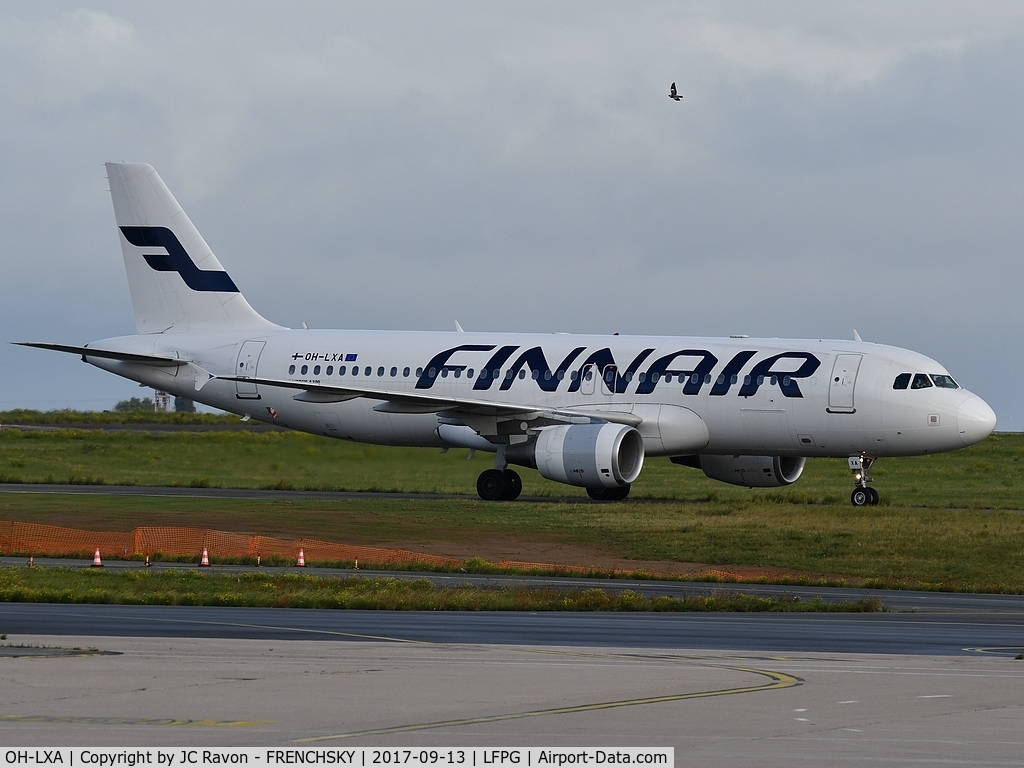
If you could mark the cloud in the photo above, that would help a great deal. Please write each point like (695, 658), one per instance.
(520, 167)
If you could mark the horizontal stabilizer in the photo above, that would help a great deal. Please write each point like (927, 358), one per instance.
(107, 354)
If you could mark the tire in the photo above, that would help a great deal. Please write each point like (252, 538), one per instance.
(860, 497)
(492, 485)
(514, 485)
(608, 494)
(873, 497)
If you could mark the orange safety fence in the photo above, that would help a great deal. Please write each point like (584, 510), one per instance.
(55, 541)
(35, 539)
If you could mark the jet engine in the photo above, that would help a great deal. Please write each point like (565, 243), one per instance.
(587, 455)
(751, 471)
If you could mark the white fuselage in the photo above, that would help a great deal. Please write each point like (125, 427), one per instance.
(753, 396)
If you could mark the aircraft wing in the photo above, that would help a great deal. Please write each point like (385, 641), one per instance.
(106, 354)
(473, 409)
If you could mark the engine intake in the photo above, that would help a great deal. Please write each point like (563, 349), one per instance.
(750, 471)
(587, 455)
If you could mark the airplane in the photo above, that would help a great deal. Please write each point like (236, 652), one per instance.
(673, 93)
(583, 410)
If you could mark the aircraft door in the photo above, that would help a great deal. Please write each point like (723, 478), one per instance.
(608, 377)
(588, 379)
(248, 358)
(842, 384)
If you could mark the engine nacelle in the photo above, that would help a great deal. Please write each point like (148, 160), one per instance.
(751, 471)
(587, 455)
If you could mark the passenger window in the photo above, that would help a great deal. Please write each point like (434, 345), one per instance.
(668, 378)
(419, 372)
(291, 370)
(304, 370)
(341, 370)
(946, 382)
(921, 381)
(405, 372)
(469, 374)
(458, 373)
(330, 370)
(522, 374)
(444, 373)
(380, 371)
(316, 370)
(367, 371)
(355, 370)
(394, 372)
(902, 381)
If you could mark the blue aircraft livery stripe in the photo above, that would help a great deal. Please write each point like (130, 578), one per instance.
(177, 259)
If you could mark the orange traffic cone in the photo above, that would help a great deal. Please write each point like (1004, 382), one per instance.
(302, 559)
(206, 558)
(96, 562)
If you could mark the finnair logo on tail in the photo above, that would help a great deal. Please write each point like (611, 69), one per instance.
(176, 259)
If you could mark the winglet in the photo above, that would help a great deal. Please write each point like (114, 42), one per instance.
(458, 327)
(856, 336)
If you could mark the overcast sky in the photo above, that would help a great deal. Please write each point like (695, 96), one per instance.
(518, 166)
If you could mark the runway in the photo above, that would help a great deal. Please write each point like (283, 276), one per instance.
(943, 632)
(934, 680)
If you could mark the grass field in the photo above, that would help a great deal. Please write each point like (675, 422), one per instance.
(989, 475)
(950, 521)
(54, 585)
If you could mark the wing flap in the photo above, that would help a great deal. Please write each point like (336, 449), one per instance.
(416, 402)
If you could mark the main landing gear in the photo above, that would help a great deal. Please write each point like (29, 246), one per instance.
(862, 495)
(499, 485)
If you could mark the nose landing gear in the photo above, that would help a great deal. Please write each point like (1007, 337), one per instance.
(862, 495)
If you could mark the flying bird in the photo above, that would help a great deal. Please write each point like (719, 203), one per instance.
(673, 93)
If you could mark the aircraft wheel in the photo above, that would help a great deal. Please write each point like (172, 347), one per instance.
(608, 494)
(872, 497)
(860, 497)
(492, 485)
(514, 485)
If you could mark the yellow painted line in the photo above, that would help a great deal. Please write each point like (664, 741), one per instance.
(131, 721)
(779, 680)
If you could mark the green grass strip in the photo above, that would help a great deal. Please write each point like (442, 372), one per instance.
(67, 585)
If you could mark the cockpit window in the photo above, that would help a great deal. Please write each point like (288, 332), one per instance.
(921, 381)
(944, 381)
(902, 381)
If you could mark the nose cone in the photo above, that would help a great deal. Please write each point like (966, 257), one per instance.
(975, 420)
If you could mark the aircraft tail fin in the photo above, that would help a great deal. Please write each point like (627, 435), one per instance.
(176, 282)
